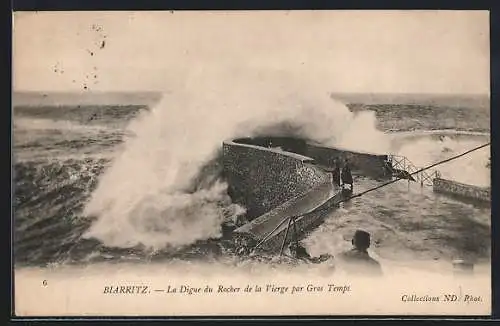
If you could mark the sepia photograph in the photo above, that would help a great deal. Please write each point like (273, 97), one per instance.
(251, 163)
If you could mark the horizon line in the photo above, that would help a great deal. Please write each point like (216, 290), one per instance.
(166, 91)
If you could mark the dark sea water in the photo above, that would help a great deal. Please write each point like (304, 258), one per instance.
(61, 153)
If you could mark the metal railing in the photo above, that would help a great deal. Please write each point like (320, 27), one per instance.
(403, 164)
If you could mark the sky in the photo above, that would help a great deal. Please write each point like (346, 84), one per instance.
(350, 51)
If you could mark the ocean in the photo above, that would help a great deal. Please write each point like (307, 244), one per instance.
(103, 179)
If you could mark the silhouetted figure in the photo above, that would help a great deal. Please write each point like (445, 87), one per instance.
(357, 260)
(336, 174)
(347, 175)
(298, 251)
(388, 169)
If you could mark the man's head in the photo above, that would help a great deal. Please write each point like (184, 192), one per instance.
(361, 240)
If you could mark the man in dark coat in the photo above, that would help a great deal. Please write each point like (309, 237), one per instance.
(347, 175)
(357, 260)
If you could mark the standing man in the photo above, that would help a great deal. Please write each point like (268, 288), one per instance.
(347, 175)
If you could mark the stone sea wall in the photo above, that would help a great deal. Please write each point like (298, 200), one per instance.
(371, 165)
(262, 178)
(296, 206)
(303, 224)
(462, 190)
(279, 177)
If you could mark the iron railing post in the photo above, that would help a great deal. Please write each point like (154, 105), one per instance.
(286, 235)
(296, 236)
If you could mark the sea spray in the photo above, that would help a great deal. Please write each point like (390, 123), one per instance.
(470, 169)
(142, 197)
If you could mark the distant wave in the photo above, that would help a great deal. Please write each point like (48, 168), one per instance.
(422, 149)
(418, 132)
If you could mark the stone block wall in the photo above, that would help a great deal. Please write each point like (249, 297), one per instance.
(461, 189)
(263, 178)
(303, 224)
(299, 205)
(371, 165)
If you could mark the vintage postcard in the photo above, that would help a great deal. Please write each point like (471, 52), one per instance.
(269, 163)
